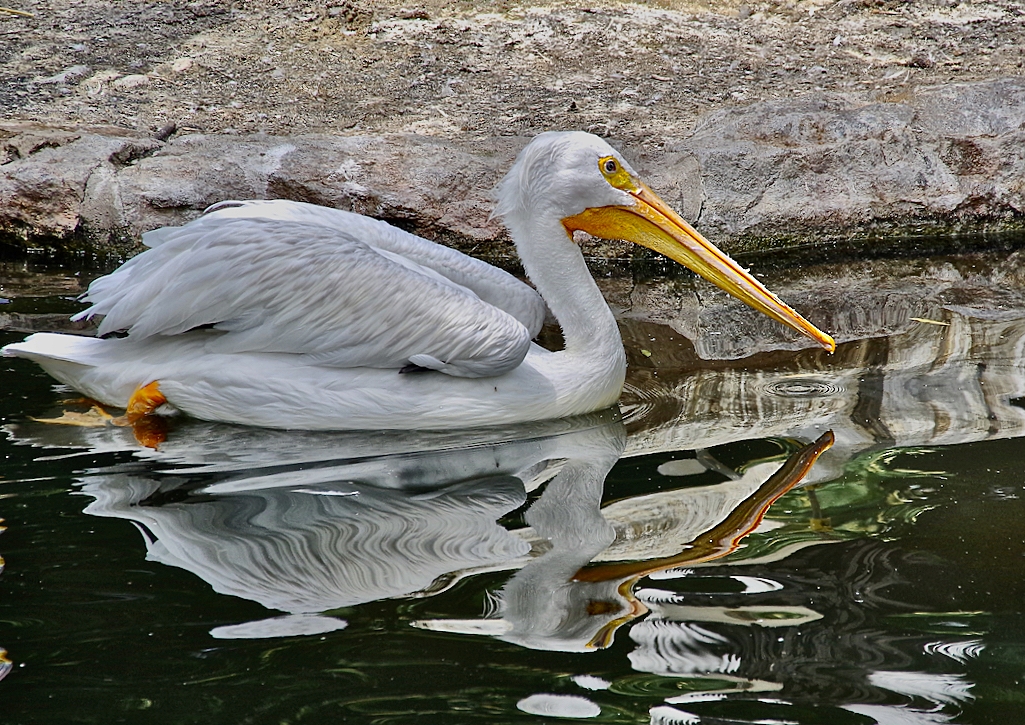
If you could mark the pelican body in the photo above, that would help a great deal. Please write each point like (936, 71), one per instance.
(289, 315)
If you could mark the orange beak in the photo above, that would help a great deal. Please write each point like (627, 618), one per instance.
(651, 223)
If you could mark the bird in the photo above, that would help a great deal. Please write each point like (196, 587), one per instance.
(284, 314)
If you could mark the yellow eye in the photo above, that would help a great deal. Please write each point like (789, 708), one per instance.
(615, 174)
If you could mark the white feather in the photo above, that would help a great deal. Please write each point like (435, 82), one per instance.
(277, 285)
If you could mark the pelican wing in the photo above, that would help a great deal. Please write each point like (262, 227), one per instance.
(286, 286)
(489, 283)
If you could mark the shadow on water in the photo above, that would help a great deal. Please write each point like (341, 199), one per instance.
(692, 558)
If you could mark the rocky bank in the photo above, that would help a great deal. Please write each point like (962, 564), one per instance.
(768, 124)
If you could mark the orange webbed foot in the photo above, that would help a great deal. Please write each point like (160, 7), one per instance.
(95, 417)
(149, 429)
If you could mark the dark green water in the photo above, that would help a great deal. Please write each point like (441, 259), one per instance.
(245, 576)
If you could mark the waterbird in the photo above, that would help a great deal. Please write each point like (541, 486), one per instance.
(284, 314)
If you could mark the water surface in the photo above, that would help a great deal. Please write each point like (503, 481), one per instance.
(555, 571)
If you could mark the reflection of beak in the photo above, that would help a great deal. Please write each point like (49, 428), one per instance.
(724, 538)
(603, 637)
(651, 223)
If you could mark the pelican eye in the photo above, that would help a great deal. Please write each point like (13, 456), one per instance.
(615, 174)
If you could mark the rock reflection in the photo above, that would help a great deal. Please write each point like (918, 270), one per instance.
(839, 650)
(958, 382)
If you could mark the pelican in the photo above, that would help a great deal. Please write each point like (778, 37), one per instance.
(289, 315)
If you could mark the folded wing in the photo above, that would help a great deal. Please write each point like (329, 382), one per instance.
(286, 285)
(489, 283)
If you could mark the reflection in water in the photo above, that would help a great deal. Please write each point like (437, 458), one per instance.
(947, 384)
(816, 605)
(317, 546)
(391, 517)
(837, 647)
(352, 523)
(554, 603)
(308, 525)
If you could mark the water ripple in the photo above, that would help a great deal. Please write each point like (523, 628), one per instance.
(567, 706)
(803, 386)
(960, 652)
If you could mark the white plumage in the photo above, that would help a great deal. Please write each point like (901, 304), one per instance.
(289, 315)
(338, 288)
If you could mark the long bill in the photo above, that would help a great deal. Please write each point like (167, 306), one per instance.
(651, 223)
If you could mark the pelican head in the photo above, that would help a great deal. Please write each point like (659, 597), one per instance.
(588, 186)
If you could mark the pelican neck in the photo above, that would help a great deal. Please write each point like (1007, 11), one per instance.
(556, 266)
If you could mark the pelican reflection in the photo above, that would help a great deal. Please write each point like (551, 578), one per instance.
(312, 523)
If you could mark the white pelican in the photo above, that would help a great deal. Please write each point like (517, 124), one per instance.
(288, 315)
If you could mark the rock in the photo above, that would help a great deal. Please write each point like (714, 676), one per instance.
(97, 83)
(421, 184)
(776, 173)
(769, 175)
(60, 183)
(71, 75)
(132, 81)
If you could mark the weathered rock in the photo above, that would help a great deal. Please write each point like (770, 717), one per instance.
(102, 188)
(642, 71)
(132, 81)
(765, 176)
(423, 184)
(56, 183)
(777, 173)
